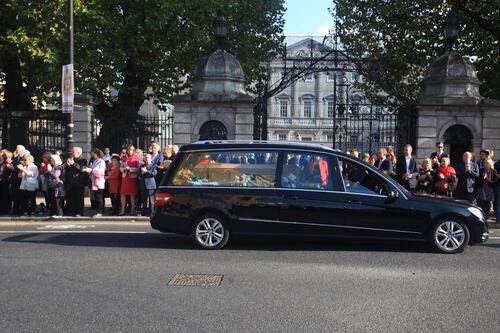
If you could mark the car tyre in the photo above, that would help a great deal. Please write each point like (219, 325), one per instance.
(449, 235)
(210, 232)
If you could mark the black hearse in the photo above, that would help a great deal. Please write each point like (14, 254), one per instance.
(215, 189)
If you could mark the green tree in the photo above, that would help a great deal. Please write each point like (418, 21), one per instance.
(31, 47)
(400, 38)
(131, 45)
(124, 46)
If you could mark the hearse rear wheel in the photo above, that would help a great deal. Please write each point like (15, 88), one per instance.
(210, 232)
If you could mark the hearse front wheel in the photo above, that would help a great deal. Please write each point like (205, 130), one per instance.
(210, 232)
(450, 236)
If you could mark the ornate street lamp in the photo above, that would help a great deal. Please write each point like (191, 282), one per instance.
(220, 29)
(450, 30)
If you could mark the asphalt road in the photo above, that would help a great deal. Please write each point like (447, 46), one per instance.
(64, 277)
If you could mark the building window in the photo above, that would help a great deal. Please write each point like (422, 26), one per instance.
(282, 137)
(355, 77)
(283, 108)
(307, 139)
(330, 77)
(308, 109)
(329, 108)
(308, 78)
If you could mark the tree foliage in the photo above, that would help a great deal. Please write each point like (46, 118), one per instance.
(400, 38)
(31, 47)
(130, 44)
(122, 47)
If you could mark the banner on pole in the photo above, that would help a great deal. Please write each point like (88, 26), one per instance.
(68, 91)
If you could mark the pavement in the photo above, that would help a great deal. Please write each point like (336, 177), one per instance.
(113, 277)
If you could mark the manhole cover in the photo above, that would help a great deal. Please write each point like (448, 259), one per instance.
(196, 280)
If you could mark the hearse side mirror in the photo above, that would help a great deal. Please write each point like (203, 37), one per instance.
(393, 194)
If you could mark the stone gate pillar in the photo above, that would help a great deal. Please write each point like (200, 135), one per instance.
(82, 116)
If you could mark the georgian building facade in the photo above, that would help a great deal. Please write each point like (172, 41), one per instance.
(304, 111)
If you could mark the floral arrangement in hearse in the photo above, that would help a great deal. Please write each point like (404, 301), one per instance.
(184, 176)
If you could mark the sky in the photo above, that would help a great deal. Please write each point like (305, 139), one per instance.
(308, 16)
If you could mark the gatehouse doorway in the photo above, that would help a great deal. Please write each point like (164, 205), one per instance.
(458, 140)
(213, 130)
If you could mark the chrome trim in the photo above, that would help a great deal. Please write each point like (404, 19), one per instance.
(329, 152)
(277, 142)
(327, 225)
(272, 188)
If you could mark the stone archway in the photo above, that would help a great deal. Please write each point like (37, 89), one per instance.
(213, 130)
(459, 140)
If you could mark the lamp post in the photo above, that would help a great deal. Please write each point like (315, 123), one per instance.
(450, 27)
(70, 123)
(220, 29)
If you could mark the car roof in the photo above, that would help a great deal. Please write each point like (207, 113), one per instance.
(249, 144)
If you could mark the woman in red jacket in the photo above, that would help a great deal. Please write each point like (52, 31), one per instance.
(318, 172)
(446, 178)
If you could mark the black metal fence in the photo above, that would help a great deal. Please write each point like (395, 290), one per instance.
(38, 130)
(113, 131)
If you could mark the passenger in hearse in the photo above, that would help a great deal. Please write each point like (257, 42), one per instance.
(206, 159)
(318, 171)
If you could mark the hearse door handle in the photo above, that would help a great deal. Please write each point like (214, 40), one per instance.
(355, 202)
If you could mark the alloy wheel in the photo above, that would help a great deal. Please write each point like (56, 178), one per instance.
(449, 236)
(210, 232)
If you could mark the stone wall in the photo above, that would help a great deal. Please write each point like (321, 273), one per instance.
(190, 116)
(482, 120)
(82, 115)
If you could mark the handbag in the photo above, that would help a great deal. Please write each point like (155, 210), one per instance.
(413, 182)
(452, 185)
(54, 184)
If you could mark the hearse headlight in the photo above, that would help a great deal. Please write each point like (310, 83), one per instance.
(477, 212)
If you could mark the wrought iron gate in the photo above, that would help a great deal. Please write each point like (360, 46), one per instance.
(38, 130)
(114, 131)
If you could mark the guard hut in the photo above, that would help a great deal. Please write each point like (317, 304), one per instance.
(452, 110)
(218, 107)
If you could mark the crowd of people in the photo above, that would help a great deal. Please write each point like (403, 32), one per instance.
(471, 179)
(128, 178)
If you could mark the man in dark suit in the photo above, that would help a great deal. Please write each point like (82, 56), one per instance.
(406, 167)
(467, 173)
(382, 162)
(438, 155)
(75, 181)
(483, 155)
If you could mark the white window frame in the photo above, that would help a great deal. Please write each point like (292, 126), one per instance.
(330, 77)
(309, 77)
(282, 101)
(329, 113)
(308, 102)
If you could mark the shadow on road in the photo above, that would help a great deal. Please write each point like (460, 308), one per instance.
(239, 242)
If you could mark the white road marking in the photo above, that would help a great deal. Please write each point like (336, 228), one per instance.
(65, 226)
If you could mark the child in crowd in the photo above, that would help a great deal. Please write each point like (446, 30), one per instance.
(147, 184)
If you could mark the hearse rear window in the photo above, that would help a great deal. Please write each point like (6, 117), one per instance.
(227, 169)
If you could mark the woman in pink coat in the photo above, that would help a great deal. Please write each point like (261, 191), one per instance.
(98, 170)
